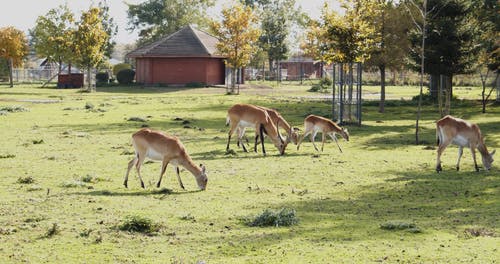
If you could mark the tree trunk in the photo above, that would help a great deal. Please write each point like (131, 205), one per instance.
(422, 71)
(483, 93)
(11, 68)
(448, 89)
(89, 80)
(497, 84)
(233, 80)
(439, 94)
(59, 68)
(434, 86)
(350, 91)
(271, 68)
(484, 96)
(381, 108)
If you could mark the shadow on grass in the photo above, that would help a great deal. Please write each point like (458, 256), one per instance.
(448, 202)
(125, 192)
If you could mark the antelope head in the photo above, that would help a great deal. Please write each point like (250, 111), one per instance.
(202, 178)
(345, 134)
(488, 160)
(293, 135)
(283, 141)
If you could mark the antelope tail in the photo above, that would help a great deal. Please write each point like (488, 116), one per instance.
(438, 135)
(227, 121)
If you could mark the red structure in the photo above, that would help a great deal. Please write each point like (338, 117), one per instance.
(74, 80)
(299, 67)
(186, 56)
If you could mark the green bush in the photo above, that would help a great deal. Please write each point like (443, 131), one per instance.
(401, 225)
(326, 82)
(14, 109)
(140, 224)
(283, 217)
(120, 66)
(125, 76)
(323, 85)
(315, 88)
(52, 231)
(102, 77)
(25, 180)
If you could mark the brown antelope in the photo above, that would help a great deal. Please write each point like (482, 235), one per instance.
(158, 146)
(464, 134)
(277, 118)
(314, 124)
(244, 115)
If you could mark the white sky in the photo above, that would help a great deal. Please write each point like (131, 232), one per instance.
(22, 14)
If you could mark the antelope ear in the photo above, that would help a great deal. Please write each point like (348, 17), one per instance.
(202, 168)
(493, 152)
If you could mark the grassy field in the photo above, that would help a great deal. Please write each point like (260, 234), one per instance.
(64, 155)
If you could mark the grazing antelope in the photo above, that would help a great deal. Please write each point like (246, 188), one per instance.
(158, 146)
(244, 115)
(314, 124)
(464, 134)
(277, 118)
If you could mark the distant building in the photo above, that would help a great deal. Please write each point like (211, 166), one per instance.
(298, 67)
(186, 56)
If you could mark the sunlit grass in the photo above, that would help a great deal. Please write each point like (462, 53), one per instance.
(72, 183)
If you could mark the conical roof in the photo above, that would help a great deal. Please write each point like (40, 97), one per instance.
(187, 42)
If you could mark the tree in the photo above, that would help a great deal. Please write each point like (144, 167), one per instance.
(449, 49)
(314, 42)
(348, 38)
(485, 21)
(157, 18)
(419, 13)
(109, 26)
(391, 44)
(277, 16)
(237, 35)
(52, 35)
(90, 42)
(13, 48)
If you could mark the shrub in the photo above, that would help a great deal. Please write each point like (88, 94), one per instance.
(125, 76)
(315, 88)
(13, 109)
(120, 66)
(37, 141)
(52, 231)
(89, 105)
(283, 217)
(140, 224)
(400, 225)
(325, 82)
(102, 77)
(25, 180)
(88, 179)
(73, 184)
(323, 85)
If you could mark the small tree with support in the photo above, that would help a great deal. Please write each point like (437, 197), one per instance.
(345, 40)
(346, 92)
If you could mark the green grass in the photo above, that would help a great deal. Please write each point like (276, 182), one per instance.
(341, 199)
